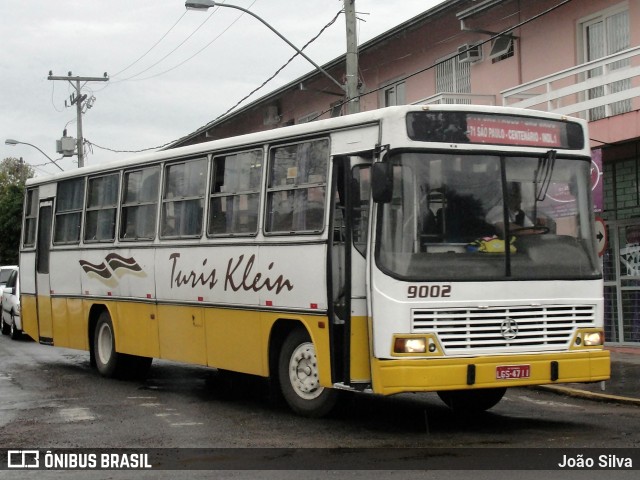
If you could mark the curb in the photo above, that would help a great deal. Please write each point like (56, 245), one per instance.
(602, 397)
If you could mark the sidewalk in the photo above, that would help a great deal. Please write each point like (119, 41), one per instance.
(623, 387)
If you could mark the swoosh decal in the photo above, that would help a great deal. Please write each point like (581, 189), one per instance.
(100, 269)
(115, 262)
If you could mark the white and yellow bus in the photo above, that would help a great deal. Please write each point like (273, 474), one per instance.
(381, 252)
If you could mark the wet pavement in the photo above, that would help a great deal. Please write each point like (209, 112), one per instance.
(622, 387)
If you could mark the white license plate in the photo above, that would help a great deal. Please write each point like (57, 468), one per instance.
(512, 372)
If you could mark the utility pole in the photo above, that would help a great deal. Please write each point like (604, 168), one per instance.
(353, 104)
(78, 99)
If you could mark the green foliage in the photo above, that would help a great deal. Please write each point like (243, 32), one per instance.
(13, 174)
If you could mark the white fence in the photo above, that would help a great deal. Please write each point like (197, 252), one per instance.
(593, 90)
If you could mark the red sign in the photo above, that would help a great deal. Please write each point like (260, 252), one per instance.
(512, 372)
(513, 131)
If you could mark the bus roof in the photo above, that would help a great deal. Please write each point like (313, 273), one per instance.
(301, 130)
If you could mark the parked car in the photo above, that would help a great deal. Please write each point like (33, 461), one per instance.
(11, 322)
(5, 273)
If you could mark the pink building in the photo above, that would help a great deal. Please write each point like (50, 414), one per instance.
(576, 57)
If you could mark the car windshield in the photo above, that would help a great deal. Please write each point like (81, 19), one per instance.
(5, 273)
(450, 214)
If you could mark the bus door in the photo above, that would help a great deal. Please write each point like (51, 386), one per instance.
(43, 286)
(347, 271)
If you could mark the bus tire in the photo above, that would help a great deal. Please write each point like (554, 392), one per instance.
(13, 330)
(108, 361)
(137, 367)
(6, 328)
(472, 401)
(299, 380)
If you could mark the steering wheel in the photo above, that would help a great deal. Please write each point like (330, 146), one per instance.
(533, 230)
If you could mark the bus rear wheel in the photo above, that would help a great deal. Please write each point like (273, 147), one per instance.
(472, 401)
(6, 328)
(107, 359)
(109, 362)
(13, 330)
(299, 379)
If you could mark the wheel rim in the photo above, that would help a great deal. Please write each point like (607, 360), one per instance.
(303, 372)
(105, 344)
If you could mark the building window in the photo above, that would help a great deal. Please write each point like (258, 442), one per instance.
(69, 211)
(297, 187)
(394, 95)
(183, 198)
(235, 196)
(308, 118)
(140, 204)
(603, 35)
(336, 108)
(453, 76)
(102, 204)
(502, 48)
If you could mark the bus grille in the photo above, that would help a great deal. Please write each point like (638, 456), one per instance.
(504, 329)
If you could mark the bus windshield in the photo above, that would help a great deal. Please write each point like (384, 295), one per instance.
(450, 214)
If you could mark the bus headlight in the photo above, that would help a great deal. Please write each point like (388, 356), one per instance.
(592, 339)
(410, 345)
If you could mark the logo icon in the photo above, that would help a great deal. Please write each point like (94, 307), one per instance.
(509, 328)
(113, 267)
(23, 459)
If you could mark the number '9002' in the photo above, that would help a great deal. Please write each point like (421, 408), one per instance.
(428, 291)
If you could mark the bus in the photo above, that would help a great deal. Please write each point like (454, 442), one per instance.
(361, 253)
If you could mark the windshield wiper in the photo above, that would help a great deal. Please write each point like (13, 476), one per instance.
(544, 173)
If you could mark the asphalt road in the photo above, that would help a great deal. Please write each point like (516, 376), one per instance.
(51, 398)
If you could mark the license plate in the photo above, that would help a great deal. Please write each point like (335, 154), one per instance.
(512, 372)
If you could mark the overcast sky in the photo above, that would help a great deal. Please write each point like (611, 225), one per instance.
(165, 82)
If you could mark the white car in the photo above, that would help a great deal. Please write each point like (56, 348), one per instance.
(5, 273)
(11, 323)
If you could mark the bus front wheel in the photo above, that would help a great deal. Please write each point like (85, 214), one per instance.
(299, 380)
(107, 359)
(109, 362)
(472, 401)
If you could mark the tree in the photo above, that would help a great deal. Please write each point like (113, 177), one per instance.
(13, 175)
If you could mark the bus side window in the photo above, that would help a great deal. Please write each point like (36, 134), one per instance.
(30, 218)
(296, 193)
(361, 189)
(102, 201)
(235, 195)
(139, 204)
(68, 217)
(183, 198)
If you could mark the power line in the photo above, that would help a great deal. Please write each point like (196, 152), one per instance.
(53, 89)
(199, 51)
(171, 52)
(322, 30)
(276, 73)
(163, 58)
(504, 32)
(204, 127)
(133, 77)
(152, 47)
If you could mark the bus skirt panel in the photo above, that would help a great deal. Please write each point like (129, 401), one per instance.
(423, 375)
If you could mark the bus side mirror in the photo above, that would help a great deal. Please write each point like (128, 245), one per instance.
(382, 182)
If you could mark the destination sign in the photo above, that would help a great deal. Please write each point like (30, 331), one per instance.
(494, 129)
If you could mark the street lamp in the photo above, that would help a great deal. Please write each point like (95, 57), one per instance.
(206, 4)
(10, 141)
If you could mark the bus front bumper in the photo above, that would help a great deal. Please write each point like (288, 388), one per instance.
(457, 373)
